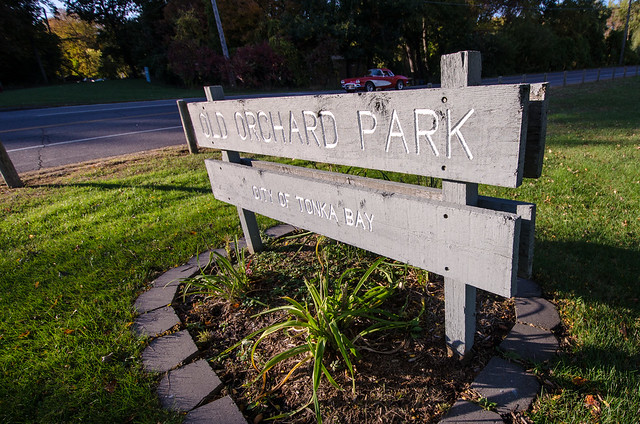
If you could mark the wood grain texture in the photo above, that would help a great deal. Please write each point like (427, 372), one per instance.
(248, 221)
(536, 130)
(472, 134)
(526, 211)
(187, 126)
(8, 171)
(466, 243)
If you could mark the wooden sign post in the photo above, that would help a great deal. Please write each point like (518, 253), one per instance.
(463, 133)
(7, 169)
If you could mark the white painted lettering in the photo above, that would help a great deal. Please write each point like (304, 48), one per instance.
(277, 128)
(256, 192)
(266, 138)
(283, 200)
(456, 130)
(367, 131)
(293, 128)
(334, 143)
(252, 125)
(427, 133)
(310, 128)
(348, 217)
(323, 211)
(308, 205)
(223, 132)
(204, 124)
(316, 207)
(370, 220)
(332, 214)
(393, 133)
(300, 202)
(238, 118)
(359, 220)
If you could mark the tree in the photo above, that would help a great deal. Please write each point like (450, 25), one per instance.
(580, 27)
(28, 52)
(618, 22)
(79, 44)
(116, 34)
(152, 32)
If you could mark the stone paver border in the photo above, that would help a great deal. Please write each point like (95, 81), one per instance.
(189, 383)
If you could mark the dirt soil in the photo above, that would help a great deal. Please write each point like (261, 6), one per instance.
(400, 377)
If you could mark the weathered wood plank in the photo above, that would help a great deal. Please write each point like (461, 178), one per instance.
(526, 211)
(462, 242)
(187, 126)
(460, 69)
(536, 130)
(8, 171)
(248, 221)
(472, 134)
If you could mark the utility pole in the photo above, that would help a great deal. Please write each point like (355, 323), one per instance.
(225, 51)
(626, 34)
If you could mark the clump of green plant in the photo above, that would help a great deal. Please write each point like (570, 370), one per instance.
(230, 281)
(326, 324)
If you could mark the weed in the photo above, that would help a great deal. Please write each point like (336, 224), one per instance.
(230, 281)
(325, 325)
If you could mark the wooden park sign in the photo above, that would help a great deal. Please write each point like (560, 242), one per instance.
(462, 133)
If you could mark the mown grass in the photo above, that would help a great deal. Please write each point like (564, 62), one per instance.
(79, 246)
(587, 251)
(90, 93)
(76, 251)
(110, 91)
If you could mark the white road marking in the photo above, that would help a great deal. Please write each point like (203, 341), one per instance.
(107, 109)
(80, 140)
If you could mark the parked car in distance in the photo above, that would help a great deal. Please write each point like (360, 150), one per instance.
(378, 78)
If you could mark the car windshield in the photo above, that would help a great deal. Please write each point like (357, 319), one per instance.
(388, 73)
(374, 73)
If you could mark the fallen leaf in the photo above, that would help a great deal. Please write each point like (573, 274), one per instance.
(111, 386)
(623, 330)
(589, 400)
(579, 381)
(68, 331)
(593, 405)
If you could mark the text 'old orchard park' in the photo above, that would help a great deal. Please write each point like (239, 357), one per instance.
(447, 133)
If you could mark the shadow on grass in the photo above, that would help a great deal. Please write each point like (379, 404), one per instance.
(593, 272)
(115, 186)
(603, 282)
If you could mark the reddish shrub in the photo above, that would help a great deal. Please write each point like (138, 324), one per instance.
(259, 66)
(195, 64)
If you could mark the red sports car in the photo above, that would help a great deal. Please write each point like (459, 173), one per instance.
(379, 78)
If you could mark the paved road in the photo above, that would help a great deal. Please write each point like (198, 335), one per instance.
(558, 79)
(43, 138)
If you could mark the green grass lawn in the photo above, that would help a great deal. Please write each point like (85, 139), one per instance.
(76, 251)
(90, 93)
(109, 91)
(587, 251)
(79, 245)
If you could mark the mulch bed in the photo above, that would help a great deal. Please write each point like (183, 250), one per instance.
(400, 377)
